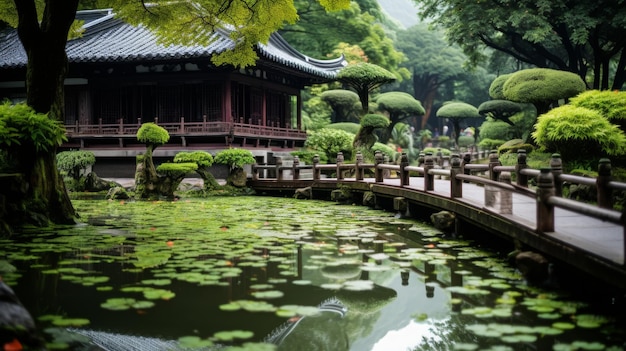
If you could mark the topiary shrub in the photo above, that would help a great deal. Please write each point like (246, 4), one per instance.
(579, 133)
(203, 160)
(235, 159)
(330, 142)
(73, 164)
(490, 144)
(503, 149)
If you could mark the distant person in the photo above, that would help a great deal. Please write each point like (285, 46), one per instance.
(445, 130)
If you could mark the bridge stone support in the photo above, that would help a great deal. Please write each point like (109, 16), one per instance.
(404, 174)
(456, 185)
(545, 211)
(556, 164)
(379, 159)
(605, 193)
(429, 179)
(522, 179)
(401, 205)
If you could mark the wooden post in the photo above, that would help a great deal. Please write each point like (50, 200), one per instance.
(545, 211)
(255, 172)
(420, 159)
(378, 159)
(339, 164)
(279, 166)
(556, 164)
(182, 125)
(439, 155)
(467, 159)
(506, 197)
(429, 179)
(522, 179)
(316, 170)
(456, 185)
(296, 168)
(121, 126)
(357, 167)
(494, 160)
(404, 174)
(605, 194)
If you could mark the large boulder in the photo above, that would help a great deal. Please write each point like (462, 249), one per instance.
(17, 327)
(443, 220)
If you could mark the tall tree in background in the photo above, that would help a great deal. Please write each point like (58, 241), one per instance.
(580, 36)
(319, 34)
(432, 63)
(43, 28)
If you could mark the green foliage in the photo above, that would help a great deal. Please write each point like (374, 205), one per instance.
(457, 109)
(610, 104)
(490, 144)
(235, 158)
(330, 142)
(503, 149)
(385, 149)
(434, 150)
(72, 162)
(349, 127)
(374, 120)
(306, 156)
(152, 134)
(343, 103)
(21, 126)
(496, 130)
(176, 170)
(499, 109)
(496, 89)
(578, 133)
(465, 140)
(201, 158)
(399, 104)
(542, 85)
(364, 78)
(315, 113)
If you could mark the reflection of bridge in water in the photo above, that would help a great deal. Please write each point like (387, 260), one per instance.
(589, 237)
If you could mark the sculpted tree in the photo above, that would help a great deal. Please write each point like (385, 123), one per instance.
(398, 106)
(147, 179)
(579, 36)
(542, 87)
(500, 110)
(235, 159)
(203, 160)
(365, 138)
(344, 104)
(43, 28)
(457, 111)
(363, 78)
(74, 163)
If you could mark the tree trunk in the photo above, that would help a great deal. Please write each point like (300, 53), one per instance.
(44, 42)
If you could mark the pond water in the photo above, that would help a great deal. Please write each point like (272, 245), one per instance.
(259, 273)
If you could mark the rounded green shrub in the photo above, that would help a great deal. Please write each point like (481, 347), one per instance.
(152, 134)
(330, 142)
(235, 158)
(201, 158)
(73, 162)
(578, 133)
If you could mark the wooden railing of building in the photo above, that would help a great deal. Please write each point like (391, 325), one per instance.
(495, 178)
(183, 128)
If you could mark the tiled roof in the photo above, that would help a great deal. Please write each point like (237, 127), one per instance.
(108, 39)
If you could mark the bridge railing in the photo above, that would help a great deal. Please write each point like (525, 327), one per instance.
(496, 180)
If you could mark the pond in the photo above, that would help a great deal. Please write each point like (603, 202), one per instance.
(261, 273)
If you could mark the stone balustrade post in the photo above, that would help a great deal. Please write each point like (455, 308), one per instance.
(316, 170)
(358, 171)
(439, 155)
(420, 159)
(429, 179)
(506, 197)
(494, 160)
(340, 160)
(556, 164)
(404, 174)
(378, 160)
(522, 179)
(545, 211)
(296, 168)
(605, 193)
(279, 171)
(456, 185)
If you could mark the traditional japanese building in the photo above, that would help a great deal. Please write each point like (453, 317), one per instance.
(120, 76)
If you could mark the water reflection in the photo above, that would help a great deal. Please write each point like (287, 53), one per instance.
(200, 268)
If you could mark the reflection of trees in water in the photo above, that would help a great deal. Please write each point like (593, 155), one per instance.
(364, 309)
